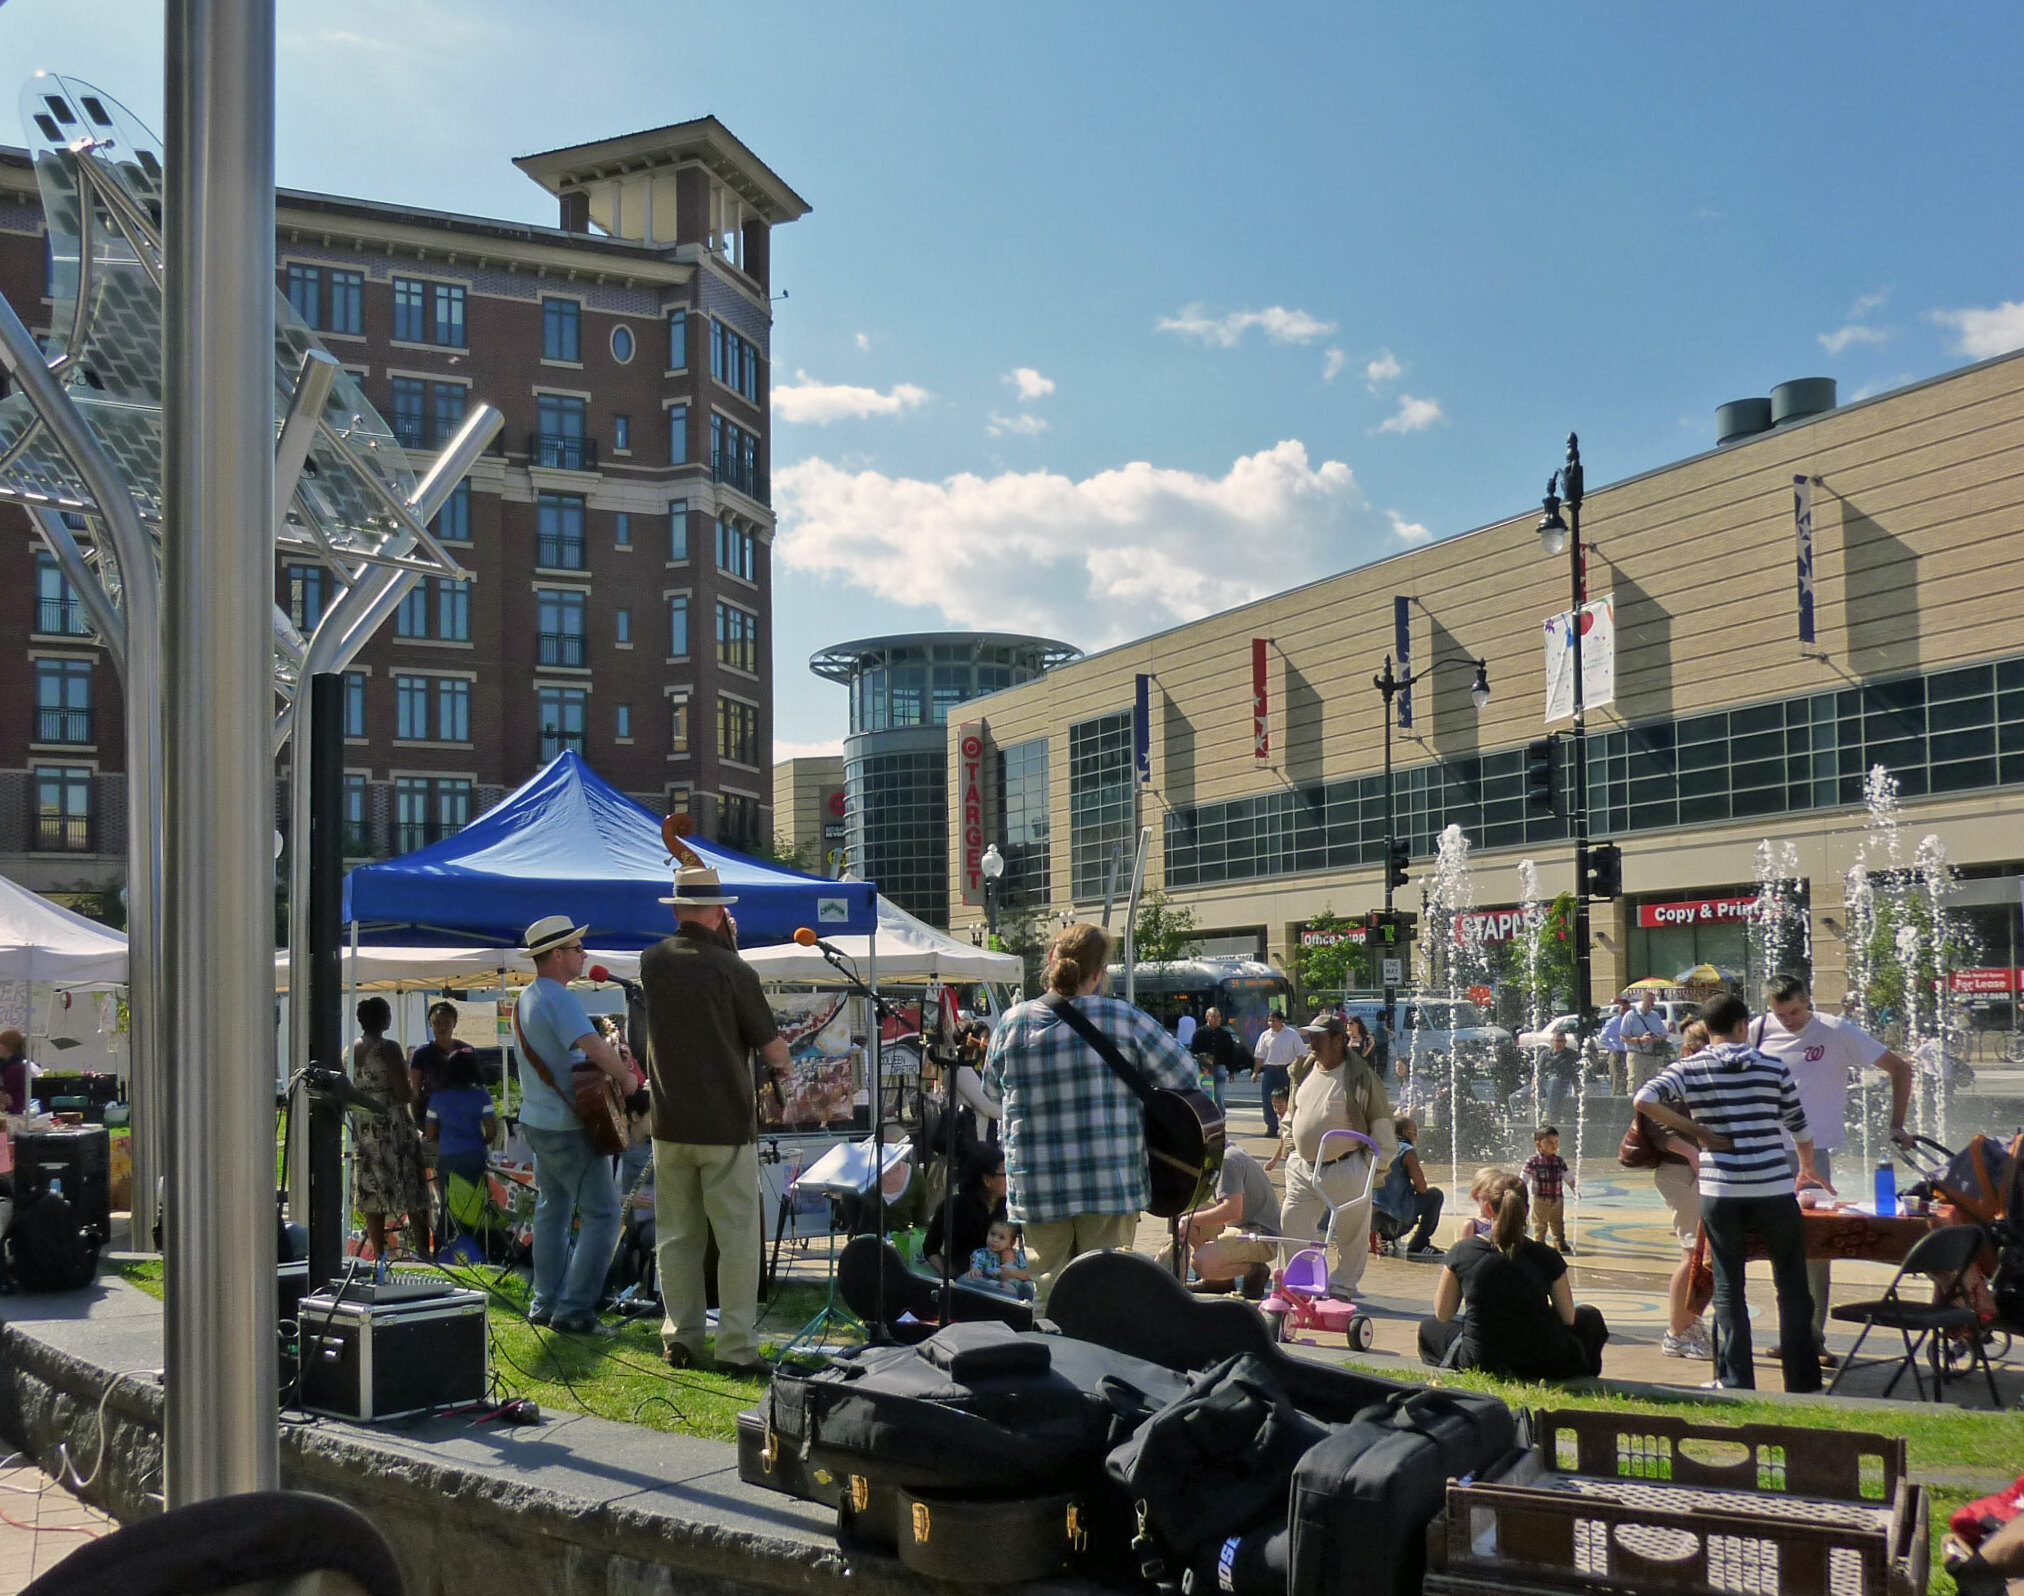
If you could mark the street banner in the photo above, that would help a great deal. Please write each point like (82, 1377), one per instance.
(1261, 700)
(1142, 730)
(970, 789)
(1402, 650)
(1598, 659)
(1802, 526)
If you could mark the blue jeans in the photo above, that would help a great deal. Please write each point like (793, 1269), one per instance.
(1775, 1221)
(570, 1179)
(1271, 1078)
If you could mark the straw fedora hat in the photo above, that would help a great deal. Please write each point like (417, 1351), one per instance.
(697, 887)
(552, 932)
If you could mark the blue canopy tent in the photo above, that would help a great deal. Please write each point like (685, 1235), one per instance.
(567, 842)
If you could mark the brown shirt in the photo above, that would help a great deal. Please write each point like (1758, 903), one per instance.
(706, 1014)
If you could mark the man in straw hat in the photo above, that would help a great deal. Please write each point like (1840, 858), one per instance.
(706, 1016)
(571, 1179)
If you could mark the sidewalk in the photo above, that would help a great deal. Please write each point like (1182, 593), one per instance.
(40, 1524)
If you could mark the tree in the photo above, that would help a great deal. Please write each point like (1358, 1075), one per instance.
(1163, 932)
(1330, 958)
(1542, 955)
(1024, 931)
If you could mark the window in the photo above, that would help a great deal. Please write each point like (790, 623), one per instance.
(559, 619)
(621, 530)
(429, 808)
(339, 310)
(1022, 823)
(737, 549)
(305, 597)
(453, 522)
(357, 828)
(354, 704)
(448, 326)
(561, 328)
(432, 708)
(412, 618)
(678, 626)
(678, 434)
(411, 412)
(1099, 799)
(305, 294)
(737, 638)
(678, 726)
(734, 458)
(622, 345)
(347, 302)
(621, 434)
(62, 809)
(411, 701)
(559, 532)
(562, 716)
(453, 710)
(429, 313)
(738, 822)
(57, 610)
(411, 311)
(450, 401)
(678, 530)
(622, 623)
(559, 441)
(437, 607)
(898, 827)
(737, 731)
(678, 340)
(734, 361)
(624, 722)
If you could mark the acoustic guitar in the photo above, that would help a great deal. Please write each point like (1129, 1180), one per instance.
(595, 1096)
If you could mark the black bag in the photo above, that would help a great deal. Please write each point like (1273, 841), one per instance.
(1242, 1565)
(988, 1542)
(972, 1408)
(1216, 1461)
(1362, 1498)
(46, 1248)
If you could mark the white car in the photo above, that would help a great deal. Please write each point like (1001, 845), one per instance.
(1563, 1026)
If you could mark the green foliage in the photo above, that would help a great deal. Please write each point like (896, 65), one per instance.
(807, 858)
(1891, 980)
(1026, 931)
(1331, 963)
(1542, 956)
(1163, 932)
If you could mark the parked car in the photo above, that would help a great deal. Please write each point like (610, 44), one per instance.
(1433, 1027)
(1564, 1025)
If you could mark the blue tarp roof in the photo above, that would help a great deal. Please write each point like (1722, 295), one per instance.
(567, 842)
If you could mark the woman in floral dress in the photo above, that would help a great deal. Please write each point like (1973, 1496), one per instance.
(387, 1182)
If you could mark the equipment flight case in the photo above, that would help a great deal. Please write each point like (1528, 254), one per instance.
(383, 1350)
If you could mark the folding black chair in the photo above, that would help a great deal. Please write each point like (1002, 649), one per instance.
(1941, 1256)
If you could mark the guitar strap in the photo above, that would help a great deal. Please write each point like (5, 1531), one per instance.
(1103, 1046)
(534, 1058)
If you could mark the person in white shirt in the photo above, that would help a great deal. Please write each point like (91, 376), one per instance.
(1614, 1053)
(1645, 1036)
(1279, 1048)
(1822, 1052)
(1184, 1028)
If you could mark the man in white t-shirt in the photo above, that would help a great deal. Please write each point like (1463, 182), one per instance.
(1821, 1051)
(1279, 1048)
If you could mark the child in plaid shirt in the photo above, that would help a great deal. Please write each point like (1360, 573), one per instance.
(1546, 1174)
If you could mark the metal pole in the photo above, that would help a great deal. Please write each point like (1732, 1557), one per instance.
(218, 635)
(1391, 991)
(1138, 878)
(1583, 975)
(317, 965)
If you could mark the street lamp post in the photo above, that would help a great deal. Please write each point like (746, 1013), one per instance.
(1390, 685)
(1563, 489)
(993, 866)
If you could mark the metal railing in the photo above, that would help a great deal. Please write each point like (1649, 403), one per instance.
(561, 648)
(559, 553)
(559, 452)
(410, 431)
(735, 472)
(60, 617)
(552, 743)
(63, 833)
(63, 726)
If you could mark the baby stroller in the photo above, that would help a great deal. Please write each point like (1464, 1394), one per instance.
(1299, 1298)
(1982, 1184)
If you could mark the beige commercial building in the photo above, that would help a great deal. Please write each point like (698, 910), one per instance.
(1725, 731)
(808, 811)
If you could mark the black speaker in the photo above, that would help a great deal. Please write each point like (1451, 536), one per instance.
(80, 1158)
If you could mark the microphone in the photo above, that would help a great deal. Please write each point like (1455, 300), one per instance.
(336, 1086)
(808, 939)
(601, 974)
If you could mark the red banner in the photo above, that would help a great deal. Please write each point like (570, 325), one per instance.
(1261, 700)
(970, 781)
(1987, 982)
(1696, 911)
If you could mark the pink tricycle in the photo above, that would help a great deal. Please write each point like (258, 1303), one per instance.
(1299, 1299)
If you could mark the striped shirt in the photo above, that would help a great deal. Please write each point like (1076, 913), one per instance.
(1742, 1094)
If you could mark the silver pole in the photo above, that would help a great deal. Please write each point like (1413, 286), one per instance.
(1138, 880)
(218, 634)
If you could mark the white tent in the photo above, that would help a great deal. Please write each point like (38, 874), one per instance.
(909, 950)
(42, 941)
(431, 969)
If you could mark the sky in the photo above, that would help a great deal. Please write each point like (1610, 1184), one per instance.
(1107, 317)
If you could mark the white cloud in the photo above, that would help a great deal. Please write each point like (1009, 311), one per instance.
(1707, 213)
(784, 751)
(1413, 415)
(1110, 556)
(1411, 532)
(1021, 425)
(864, 340)
(805, 399)
(1854, 333)
(1982, 332)
(1332, 364)
(1280, 325)
(1030, 383)
(1865, 303)
(1382, 370)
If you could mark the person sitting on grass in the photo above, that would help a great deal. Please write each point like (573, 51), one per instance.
(1406, 1198)
(1278, 1158)
(1000, 1264)
(1546, 1177)
(1522, 1322)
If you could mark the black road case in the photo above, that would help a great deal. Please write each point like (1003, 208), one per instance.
(380, 1355)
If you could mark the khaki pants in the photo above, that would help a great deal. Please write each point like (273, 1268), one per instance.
(1313, 1195)
(1550, 1213)
(698, 1189)
(1052, 1244)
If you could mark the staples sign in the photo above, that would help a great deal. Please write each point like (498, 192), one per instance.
(970, 782)
(1696, 911)
(1489, 925)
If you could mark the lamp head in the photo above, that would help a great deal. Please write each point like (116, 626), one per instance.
(992, 864)
(1552, 530)
(1479, 689)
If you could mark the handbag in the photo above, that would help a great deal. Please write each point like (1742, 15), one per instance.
(1638, 1150)
(1701, 1278)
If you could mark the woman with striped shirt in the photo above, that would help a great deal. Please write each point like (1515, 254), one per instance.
(1739, 1105)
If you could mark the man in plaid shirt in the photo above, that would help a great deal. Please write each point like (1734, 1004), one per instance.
(1075, 1150)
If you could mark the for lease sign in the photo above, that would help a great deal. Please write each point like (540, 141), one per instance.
(1696, 911)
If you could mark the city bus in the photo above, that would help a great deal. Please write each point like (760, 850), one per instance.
(1244, 989)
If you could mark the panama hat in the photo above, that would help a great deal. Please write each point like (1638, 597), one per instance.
(552, 932)
(697, 887)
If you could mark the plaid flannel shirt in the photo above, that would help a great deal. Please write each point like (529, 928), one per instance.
(1074, 1133)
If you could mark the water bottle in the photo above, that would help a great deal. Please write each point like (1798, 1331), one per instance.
(56, 1188)
(1886, 1189)
(380, 1272)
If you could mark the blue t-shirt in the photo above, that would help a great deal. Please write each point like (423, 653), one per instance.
(459, 1114)
(552, 1018)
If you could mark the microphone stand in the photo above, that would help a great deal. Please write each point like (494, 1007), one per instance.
(881, 1011)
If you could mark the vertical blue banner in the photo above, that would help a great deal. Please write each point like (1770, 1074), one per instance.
(1142, 730)
(1802, 526)
(1402, 651)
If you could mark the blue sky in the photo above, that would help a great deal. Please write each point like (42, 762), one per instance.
(1107, 316)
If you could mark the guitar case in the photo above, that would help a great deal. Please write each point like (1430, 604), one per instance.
(1130, 1304)
(865, 1258)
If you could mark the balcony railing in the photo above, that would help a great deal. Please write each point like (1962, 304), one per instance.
(558, 553)
(733, 471)
(561, 648)
(560, 453)
(63, 833)
(60, 617)
(553, 742)
(412, 834)
(63, 726)
(411, 432)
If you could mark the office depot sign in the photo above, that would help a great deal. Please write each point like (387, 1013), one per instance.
(1696, 911)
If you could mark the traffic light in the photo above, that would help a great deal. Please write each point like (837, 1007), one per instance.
(1396, 856)
(1539, 762)
(1605, 871)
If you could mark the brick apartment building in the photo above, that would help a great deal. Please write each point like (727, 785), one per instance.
(619, 533)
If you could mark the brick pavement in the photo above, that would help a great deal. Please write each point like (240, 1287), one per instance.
(40, 1524)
